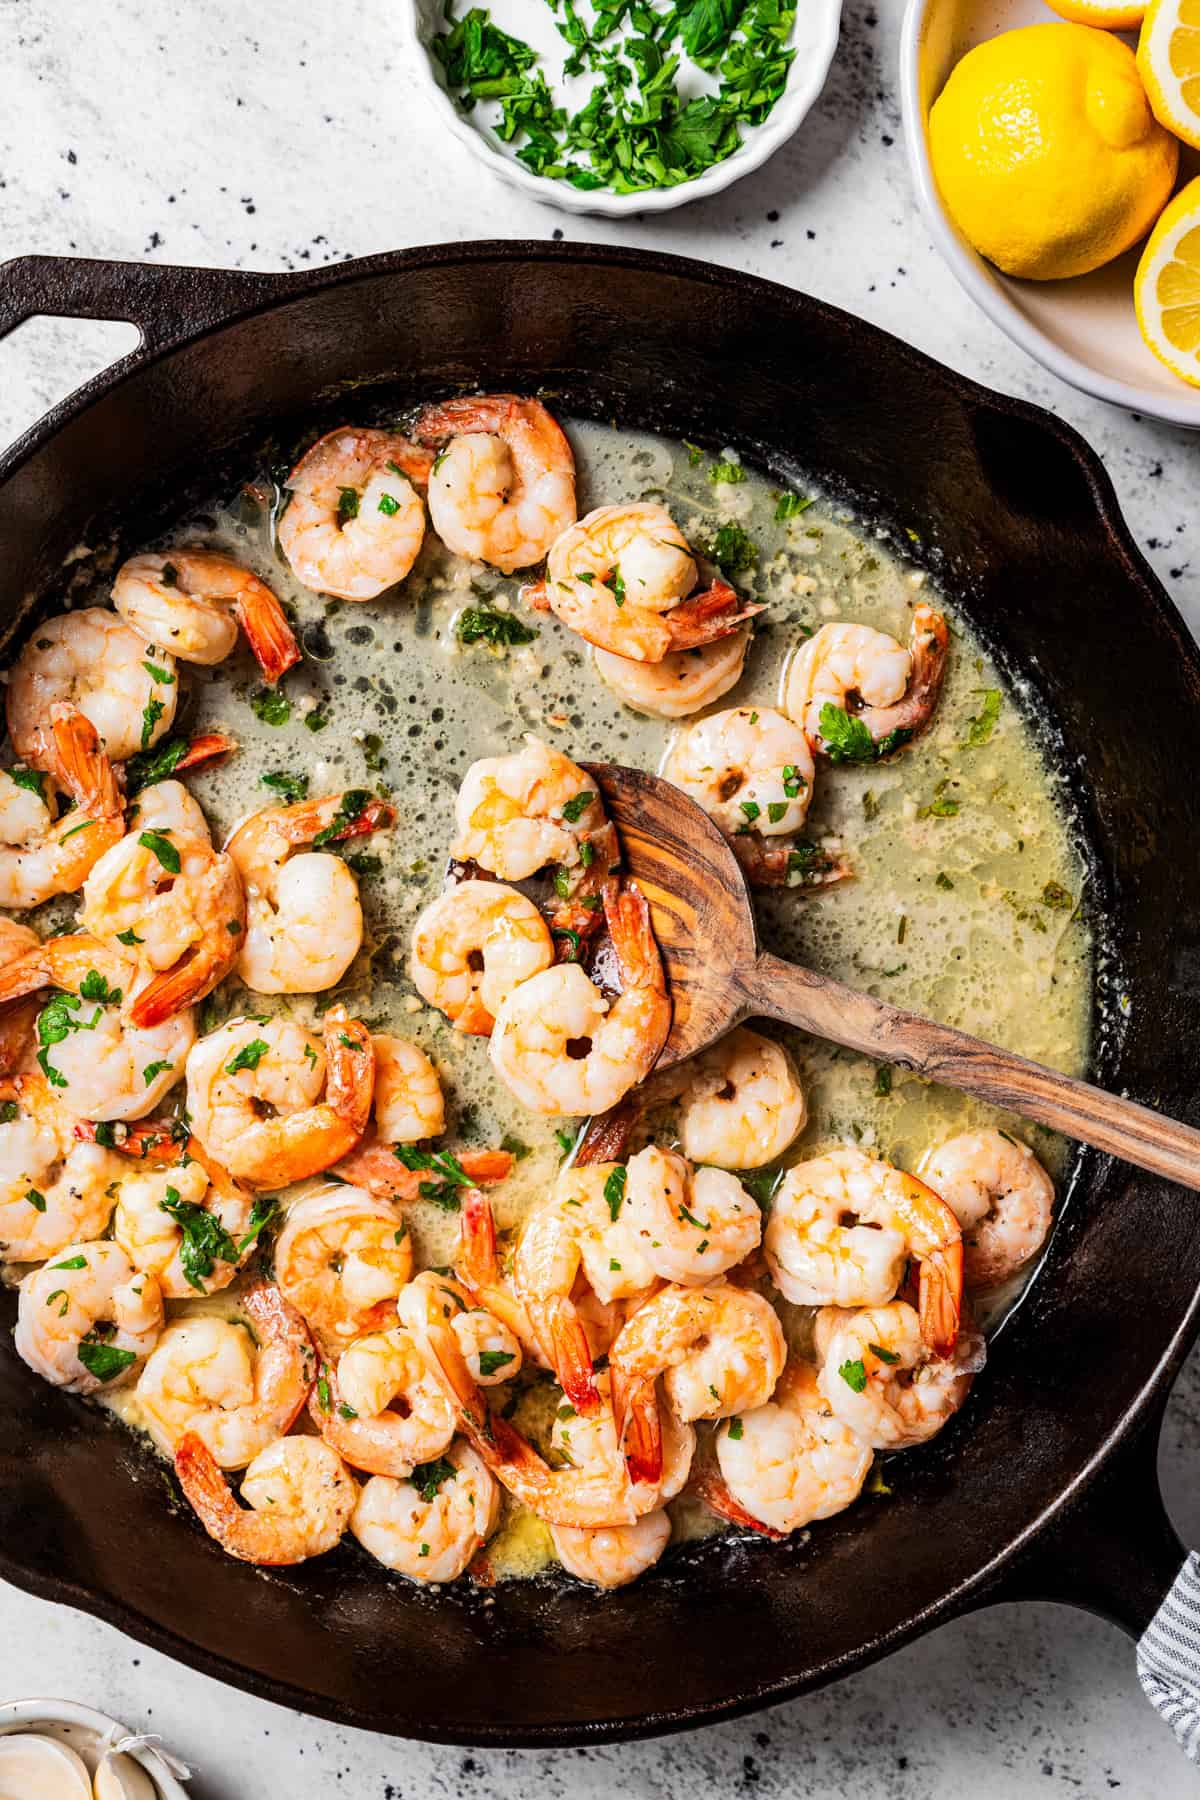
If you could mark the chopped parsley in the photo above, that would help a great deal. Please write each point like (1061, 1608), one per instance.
(854, 1374)
(347, 506)
(614, 1191)
(790, 505)
(36, 1200)
(442, 1163)
(428, 1477)
(95, 987)
(846, 738)
(492, 1361)
(388, 506)
(883, 1080)
(1057, 897)
(104, 1361)
(32, 779)
(290, 788)
(153, 1070)
(485, 625)
(205, 1241)
(350, 807)
(725, 470)
(574, 808)
(248, 1057)
(129, 938)
(269, 705)
(163, 848)
(163, 676)
(152, 712)
(735, 1430)
(732, 549)
(943, 881)
(148, 766)
(885, 1356)
(980, 728)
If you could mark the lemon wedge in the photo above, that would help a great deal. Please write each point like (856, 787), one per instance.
(1168, 57)
(1104, 14)
(1166, 288)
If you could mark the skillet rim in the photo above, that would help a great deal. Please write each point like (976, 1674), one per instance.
(259, 294)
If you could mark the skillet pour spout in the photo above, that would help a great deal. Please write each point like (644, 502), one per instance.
(1015, 519)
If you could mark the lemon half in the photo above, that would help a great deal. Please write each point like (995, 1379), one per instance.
(1046, 152)
(1166, 288)
(1105, 15)
(1168, 57)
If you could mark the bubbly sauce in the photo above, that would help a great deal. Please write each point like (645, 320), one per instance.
(966, 902)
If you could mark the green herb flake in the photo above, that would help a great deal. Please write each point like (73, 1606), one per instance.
(152, 712)
(104, 1361)
(885, 1356)
(162, 847)
(854, 1374)
(347, 506)
(732, 549)
(204, 1241)
(129, 938)
(727, 471)
(943, 881)
(614, 1191)
(487, 625)
(981, 727)
(790, 505)
(290, 788)
(492, 1361)
(574, 809)
(883, 1080)
(36, 1199)
(31, 779)
(248, 1057)
(1057, 897)
(736, 1430)
(428, 1477)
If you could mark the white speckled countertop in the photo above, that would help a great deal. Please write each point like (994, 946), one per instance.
(226, 134)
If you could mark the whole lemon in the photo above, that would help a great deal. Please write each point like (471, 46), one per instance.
(1046, 151)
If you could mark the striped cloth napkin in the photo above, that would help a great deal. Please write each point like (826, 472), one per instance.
(1168, 1658)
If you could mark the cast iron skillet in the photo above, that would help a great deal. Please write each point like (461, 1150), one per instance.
(1045, 1485)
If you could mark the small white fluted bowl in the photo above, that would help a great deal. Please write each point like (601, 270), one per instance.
(82, 1727)
(814, 38)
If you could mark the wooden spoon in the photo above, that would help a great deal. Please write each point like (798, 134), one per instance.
(718, 976)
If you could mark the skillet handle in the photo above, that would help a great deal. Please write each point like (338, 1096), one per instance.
(1116, 1553)
(166, 302)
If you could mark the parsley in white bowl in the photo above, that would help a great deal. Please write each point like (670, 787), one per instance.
(622, 106)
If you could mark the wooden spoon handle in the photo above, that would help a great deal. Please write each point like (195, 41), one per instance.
(781, 990)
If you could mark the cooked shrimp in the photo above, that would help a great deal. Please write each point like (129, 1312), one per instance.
(169, 807)
(381, 1408)
(54, 1189)
(491, 1351)
(623, 578)
(355, 520)
(743, 1104)
(304, 921)
(682, 682)
(579, 1229)
(298, 1492)
(519, 813)
(85, 1319)
(792, 1460)
(431, 1527)
(589, 1441)
(106, 1066)
(16, 1020)
(254, 1095)
(1001, 1196)
(547, 1022)
(178, 906)
(92, 661)
(41, 854)
(615, 1555)
(857, 670)
(472, 946)
(690, 1224)
(191, 602)
(503, 484)
(409, 1104)
(749, 768)
(236, 1386)
(720, 1350)
(880, 1378)
(842, 1228)
(187, 1222)
(589, 1497)
(342, 1258)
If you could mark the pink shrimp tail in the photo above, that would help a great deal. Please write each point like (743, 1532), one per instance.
(267, 631)
(707, 1483)
(639, 1428)
(941, 1290)
(204, 747)
(709, 615)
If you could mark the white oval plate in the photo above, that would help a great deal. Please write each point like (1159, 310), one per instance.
(815, 39)
(1085, 330)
